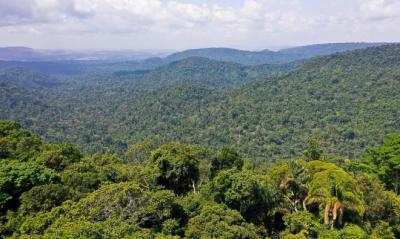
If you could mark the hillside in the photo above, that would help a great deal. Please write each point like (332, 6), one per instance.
(344, 100)
(73, 105)
(28, 79)
(23, 54)
(267, 56)
(19, 103)
(325, 49)
(78, 62)
(347, 101)
(20, 53)
(203, 71)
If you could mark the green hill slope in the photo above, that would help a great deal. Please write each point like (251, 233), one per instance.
(347, 101)
(344, 100)
(198, 70)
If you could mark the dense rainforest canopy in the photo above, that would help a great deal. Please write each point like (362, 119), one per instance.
(188, 191)
(347, 101)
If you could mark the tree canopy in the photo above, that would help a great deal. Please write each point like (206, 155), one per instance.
(55, 191)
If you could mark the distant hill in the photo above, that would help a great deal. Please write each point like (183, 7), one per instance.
(19, 53)
(150, 60)
(225, 54)
(29, 54)
(27, 79)
(50, 67)
(267, 56)
(203, 71)
(325, 49)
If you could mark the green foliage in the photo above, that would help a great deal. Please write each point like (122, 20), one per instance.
(45, 197)
(335, 191)
(246, 192)
(353, 232)
(300, 223)
(53, 191)
(106, 229)
(324, 233)
(7, 127)
(346, 101)
(382, 231)
(292, 179)
(217, 221)
(128, 200)
(18, 177)
(380, 205)
(386, 162)
(17, 143)
(215, 74)
(139, 152)
(59, 156)
(177, 166)
(90, 173)
(226, 159)
(313, 151)
(110, 211)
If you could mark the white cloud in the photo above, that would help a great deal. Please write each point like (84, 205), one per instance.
(224, 15)
(211, 22)
(381, 9)
(135, 14)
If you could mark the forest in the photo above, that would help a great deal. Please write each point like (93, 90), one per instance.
(208, 143)
(347, 101)
(187, 191)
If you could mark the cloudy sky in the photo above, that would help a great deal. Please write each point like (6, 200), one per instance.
(181, 24)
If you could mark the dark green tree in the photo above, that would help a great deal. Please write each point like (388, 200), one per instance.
(45, 197)
(17, 143)
(18, 177)
(177, 166)
(139, 152)
(386, 162)
(335, 191)
(250, 194)
(217, 221)
(226, 159)
(59, 156)
(313, 151)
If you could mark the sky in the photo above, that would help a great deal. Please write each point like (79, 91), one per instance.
(183, 24)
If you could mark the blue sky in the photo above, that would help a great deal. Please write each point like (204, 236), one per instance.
(182, 24)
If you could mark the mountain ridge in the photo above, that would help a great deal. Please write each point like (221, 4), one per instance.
(246, 57)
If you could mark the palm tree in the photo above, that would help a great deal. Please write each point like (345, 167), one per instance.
(334, 190)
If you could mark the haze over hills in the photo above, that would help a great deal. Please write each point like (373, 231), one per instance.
(29, 54)
(267, 56)
(73, 63)
(162, 57)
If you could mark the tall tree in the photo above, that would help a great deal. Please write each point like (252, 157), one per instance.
(177, 166)
(335, 191)
(386, 161)
(226, 159)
